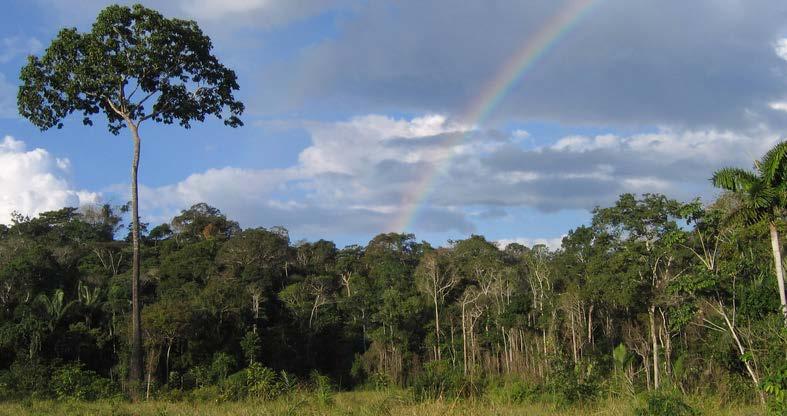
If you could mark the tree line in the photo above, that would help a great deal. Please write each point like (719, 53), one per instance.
(651, 293)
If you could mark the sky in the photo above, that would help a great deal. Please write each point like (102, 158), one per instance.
(510, 119)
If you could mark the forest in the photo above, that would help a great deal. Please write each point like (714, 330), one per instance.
(653, 307)
(654, 294)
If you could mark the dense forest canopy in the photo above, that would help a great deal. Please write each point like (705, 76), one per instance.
(651, 293)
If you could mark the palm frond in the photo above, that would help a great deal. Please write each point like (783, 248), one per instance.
(734, 179)
(773, 165)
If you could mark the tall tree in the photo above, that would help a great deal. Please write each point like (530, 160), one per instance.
(435, 279)
(762, 197)
(133, 65)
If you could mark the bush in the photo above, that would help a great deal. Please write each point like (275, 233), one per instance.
(665, 404)
(256, 382)
(776, 387)
(72, 381)
(569, 386)
(199, 376)
(323, 387)
(26, 378)
(206, 394)
(512, 392)
(440, 379)
(262, 382)
(221, 365)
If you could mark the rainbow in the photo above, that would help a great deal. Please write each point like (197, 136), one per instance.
(492, 94)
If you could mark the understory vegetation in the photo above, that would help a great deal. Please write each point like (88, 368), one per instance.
(656, 307)
(360, 403)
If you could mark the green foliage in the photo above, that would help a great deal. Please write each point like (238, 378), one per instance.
(776, 387)
(439, 379)
(129, 50)
(567, 327)
(513, 392)
(664, 404)
(262, 382)
(323, 387)
(73, 382)
(221, 365)
(251, 345)
(569, 386)
(26, 378)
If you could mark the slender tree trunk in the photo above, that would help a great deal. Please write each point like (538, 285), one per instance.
(654, 340)
(255, 300)
(166, 362)
(437, 329)
(752, 372)
(590, 326)
(464, 340)
(776, 245)
(573, 339)
(135, 372)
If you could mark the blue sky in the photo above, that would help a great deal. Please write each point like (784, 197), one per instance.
(349, 102)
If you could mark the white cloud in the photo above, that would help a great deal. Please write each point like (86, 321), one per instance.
(355, 145)
(340, 183)
(362, 173)
(779, 105)
(34, 181)
(781, 48)
(551, 243)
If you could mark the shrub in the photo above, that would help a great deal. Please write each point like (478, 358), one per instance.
(665, 404)
(27, 378)
(199, 376)
(323, 387)
(440, 379)
(72, 381)
(251, 346)
(221, 365)
(570, 386)
(262, 382)
(512, 392)
(776, 387)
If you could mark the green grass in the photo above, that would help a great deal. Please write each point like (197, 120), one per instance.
(352, 404)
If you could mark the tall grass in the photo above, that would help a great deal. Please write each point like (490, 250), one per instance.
(361, 403)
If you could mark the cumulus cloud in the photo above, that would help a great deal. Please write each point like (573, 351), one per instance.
(34, 181)
(351, 179)
(781, 48)
(362, 175)
(551, 243)
(583, 172)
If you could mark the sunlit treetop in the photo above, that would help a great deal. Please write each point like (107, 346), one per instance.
(133, 65)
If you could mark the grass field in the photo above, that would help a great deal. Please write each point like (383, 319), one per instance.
(349, 403)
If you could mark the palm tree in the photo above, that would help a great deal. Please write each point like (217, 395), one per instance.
(762, 198)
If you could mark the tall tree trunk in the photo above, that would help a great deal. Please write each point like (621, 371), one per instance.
(776, 245)
(654, 340)
(135, 372)
(437, 329)
(573, 339)
(590, 326)
(464, 340)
